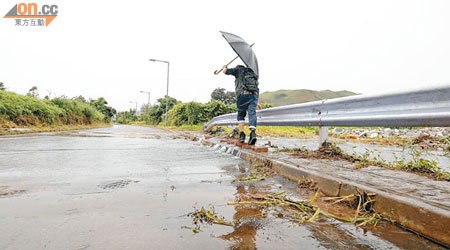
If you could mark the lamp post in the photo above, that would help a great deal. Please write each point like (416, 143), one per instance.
(148, 105)
(135, 111)
(148, 93)
(167, 94)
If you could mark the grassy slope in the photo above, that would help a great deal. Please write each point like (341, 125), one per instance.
(37, 115)
(285, 97)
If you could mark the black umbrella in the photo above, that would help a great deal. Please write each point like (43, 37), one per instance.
(243, 50)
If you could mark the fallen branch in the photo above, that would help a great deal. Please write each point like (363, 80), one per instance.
(308, 212)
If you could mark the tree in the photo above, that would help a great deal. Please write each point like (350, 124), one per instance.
(155, 114)
(172, 101)
(145, 108)
(126, 117)
(157, 111)
(226, 97)
(79, 98)
(33, 92)
(100, 105)
(2, 86)
(145, 113)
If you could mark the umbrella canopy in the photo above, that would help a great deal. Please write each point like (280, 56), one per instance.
(243, 50)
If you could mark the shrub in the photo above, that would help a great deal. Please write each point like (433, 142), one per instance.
(17, 106)
(193, 113)
(216, 108)
(29, 110)
(185, 113)
(77, 111)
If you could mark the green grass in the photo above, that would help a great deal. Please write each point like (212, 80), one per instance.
(278, 131)
(196, 127)
(20, 109)
(292, 132)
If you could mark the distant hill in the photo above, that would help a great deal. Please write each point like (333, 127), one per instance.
(285, 97)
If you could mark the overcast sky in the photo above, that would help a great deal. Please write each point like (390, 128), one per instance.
(102, 48)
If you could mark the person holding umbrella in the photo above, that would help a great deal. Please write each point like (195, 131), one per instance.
(247, 92)
(246, 84)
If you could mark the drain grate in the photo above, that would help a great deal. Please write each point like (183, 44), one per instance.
(115, 184)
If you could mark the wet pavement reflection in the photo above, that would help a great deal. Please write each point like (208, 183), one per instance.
(129, 187)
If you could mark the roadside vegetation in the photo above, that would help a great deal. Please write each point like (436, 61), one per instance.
(417, 163)
(188, 114)
(48, 114)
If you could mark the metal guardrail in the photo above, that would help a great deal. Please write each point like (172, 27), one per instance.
(420, 108)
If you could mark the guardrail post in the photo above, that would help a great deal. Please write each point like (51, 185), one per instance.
(323, 135)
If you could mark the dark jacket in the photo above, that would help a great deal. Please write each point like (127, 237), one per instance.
(246, 80)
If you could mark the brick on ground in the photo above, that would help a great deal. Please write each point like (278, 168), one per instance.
(260, 149)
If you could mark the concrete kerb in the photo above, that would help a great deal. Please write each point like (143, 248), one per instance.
(414, 215)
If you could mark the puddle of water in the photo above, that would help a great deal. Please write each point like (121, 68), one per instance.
(20, 129)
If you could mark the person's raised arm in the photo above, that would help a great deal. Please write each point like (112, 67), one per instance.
(228, 71)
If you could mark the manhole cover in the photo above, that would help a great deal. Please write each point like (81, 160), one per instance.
(115, 184)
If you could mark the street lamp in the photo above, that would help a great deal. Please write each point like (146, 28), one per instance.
(167, 94)
(148, 106)
(135, 111)
(148, 93)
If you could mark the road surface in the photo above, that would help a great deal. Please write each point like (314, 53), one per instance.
(127, 187)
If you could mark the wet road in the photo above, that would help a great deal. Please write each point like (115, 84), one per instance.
(130, 187)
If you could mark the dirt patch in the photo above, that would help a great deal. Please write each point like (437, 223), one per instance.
(6, 192)
(76, 134)
(422, 138)
(308, 184)
(423, 141)
(431, 143)
(329, 152)
(37, 129)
